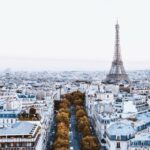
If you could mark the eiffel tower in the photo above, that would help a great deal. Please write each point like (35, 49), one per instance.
(117, 74)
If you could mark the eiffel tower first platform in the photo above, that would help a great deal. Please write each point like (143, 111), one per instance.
(117, 74)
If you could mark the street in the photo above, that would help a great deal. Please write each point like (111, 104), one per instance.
(73, 133)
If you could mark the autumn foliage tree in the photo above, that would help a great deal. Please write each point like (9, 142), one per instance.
(78, 102)
(79, 107)
(64, 104)
(62, 122)
(89, 143)
(80, 113)
(62, 117)
(86, 131)
(59, 143)
(75, 98)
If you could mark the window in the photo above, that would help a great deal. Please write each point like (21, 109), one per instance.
(29, 144)
(118, 145)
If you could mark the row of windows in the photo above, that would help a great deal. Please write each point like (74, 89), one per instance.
(7, 120)
(120, 138)
(140, 143)
(142, 149)
(8, 115)
(106, 121)
(17, 148)
(6, 145)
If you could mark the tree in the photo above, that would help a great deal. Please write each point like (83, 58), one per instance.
(69, 97)
(24, 114)
(78, 95)
(61, 148)
(61, 125)
(66, 101)
(63, 105)
(65, 110)
(78, 102)
(89, 143)
(80, 113)
(62, 117)
(82, 122)
(62, 133)
(78, 107)
(32, 111)
(59, 143)
(86, 131)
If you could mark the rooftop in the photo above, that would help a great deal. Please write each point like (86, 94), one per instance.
(19, 128)
(119, 129)
(140, 140)
(145, 117)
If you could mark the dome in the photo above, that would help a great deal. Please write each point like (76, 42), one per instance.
(121, 130)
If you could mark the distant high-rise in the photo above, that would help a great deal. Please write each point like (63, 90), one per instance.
(117, 74)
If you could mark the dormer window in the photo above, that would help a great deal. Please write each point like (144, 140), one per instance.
(118, 138)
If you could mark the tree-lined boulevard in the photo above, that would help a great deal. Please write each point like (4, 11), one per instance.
(73, 130)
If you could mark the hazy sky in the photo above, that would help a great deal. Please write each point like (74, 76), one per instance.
(73, 34)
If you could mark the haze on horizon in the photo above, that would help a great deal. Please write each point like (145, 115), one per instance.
(73, 35)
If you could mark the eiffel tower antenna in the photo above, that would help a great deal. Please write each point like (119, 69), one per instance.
(117, 74)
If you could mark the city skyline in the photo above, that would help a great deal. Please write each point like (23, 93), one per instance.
(74, 75)
(73, 35)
